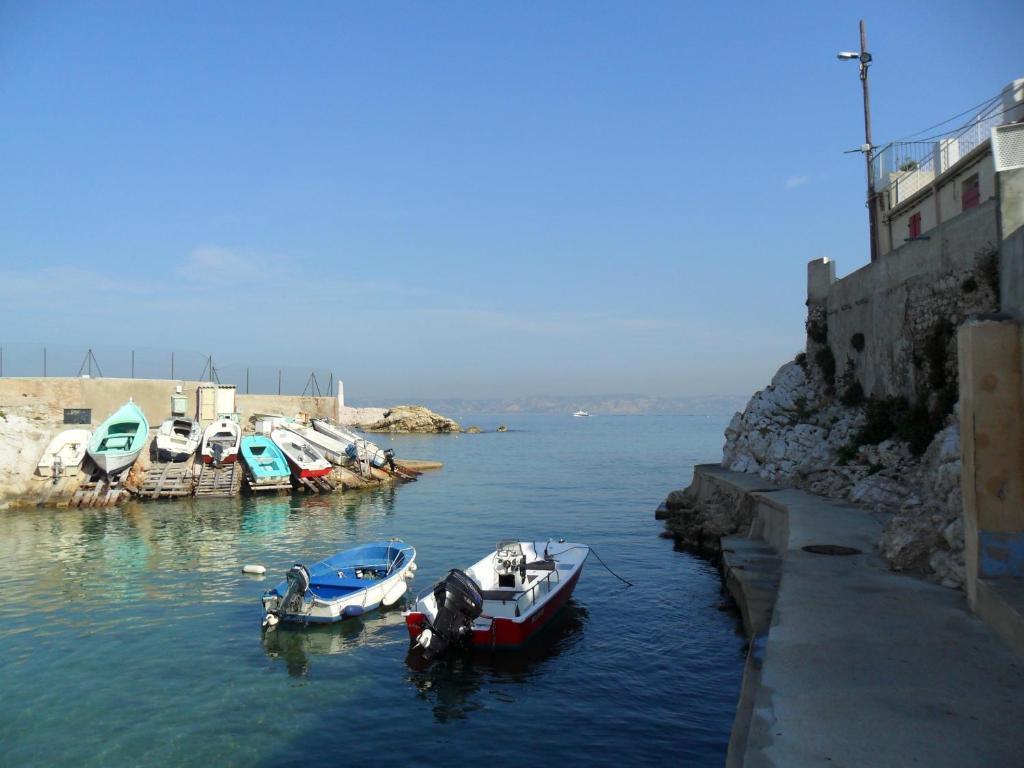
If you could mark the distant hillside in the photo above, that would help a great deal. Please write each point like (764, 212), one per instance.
(607, 405)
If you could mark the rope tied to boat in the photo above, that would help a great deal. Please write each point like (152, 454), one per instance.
(590, 549)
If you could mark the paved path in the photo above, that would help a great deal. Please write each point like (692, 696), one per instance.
(866, 667)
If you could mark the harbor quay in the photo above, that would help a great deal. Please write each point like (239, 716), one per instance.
(52, 451)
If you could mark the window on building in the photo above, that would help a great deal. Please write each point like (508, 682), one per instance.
(915, 225)
(77, 415)
(970, 192)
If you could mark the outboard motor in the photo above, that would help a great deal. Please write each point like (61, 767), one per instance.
(291, 602)
(459, 603)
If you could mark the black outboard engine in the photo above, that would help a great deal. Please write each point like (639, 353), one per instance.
(459, 603)
(298, 583)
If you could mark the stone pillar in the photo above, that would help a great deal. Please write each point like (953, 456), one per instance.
(341, 397)
(992, 450)
(821, 273)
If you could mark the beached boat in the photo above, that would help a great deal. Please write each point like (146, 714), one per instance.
(580, 414)
(306, 460)
(266, 463)
(333, 450)
(357, 448)
(221, 441)
(349, 583)
(177, 439)
(502, 601)
(119, 440)
(64, 452)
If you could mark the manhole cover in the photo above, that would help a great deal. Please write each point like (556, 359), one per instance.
(830, 549)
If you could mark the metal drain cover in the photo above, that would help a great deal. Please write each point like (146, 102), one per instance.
(831, 549)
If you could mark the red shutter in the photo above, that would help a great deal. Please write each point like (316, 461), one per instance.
(971, 193)
(915, 225)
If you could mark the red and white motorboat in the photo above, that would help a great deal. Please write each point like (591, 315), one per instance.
(221, 440)
(500, 602)
(305, 460)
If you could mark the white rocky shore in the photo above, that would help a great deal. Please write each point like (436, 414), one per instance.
(796, 433)
(400, 418)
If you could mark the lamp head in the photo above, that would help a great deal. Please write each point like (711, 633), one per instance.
(847, 55)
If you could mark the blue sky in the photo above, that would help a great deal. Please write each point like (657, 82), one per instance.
(457, 199)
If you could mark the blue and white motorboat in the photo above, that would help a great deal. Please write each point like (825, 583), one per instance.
(347, 584)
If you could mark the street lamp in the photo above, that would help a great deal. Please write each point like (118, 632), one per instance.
(864, 58)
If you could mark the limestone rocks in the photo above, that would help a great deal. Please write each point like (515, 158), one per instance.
(792, 433)
(699, 525)
(412, 418)
(23, 437)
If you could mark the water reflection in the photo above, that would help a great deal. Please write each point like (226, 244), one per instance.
(295, 645)
(451, 683)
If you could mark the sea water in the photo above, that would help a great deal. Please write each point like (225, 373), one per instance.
(129, 636)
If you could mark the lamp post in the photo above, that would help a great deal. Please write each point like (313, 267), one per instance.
(864, 59)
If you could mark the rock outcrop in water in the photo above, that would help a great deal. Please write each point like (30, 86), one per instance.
(412, 418)
(797, 433)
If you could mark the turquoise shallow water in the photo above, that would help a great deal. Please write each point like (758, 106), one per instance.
(130, 637)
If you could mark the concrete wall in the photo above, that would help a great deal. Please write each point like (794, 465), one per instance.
(51, 395)
(899, 301)
(1011, 210)
(286, 405)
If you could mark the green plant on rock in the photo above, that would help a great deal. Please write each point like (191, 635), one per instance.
(801, 360)
(987, 261)
(857, 341)
(817, 330)
(826, 362)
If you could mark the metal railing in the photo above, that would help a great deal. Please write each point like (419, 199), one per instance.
(19, 359)
(902, 168)
(530, 596)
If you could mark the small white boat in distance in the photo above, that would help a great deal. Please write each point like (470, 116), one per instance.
(221, 442)
(177, 439)
(306, 461)
(580, 413)
(64, 452)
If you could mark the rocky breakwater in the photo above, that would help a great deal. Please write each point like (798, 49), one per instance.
(799, 433)
(399, 419)
(24, 433)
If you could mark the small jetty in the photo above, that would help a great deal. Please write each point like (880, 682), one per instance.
(100, 490)
(167, 480)
(321, 484)
(225, 480)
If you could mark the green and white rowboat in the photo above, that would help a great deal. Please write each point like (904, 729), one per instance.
(117, 442)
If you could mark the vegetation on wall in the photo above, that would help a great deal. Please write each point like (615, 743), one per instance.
(857, 341)
(817, 330)
(826, 362)
(987, 260)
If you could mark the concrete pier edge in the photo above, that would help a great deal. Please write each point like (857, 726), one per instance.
(850, 663)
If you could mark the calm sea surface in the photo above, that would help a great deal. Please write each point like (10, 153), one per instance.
(130, 637)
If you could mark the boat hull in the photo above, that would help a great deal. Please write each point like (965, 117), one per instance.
(227, 459)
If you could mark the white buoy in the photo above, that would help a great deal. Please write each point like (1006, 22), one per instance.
(257, 570)
(394, 593)
(413, 566)
(270, 620)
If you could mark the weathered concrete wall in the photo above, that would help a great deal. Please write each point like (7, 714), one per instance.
(50, 395)
(900, 301)
(286, 405)
(992, 447)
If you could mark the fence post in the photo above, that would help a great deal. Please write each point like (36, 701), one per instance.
(133, 363)
(279, 381)
(44, 362)
(1, 361)
(247, 381)
(172, 365)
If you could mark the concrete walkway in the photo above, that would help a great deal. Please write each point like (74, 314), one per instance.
(865, 667)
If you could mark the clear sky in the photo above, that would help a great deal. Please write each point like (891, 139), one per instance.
(458, 199)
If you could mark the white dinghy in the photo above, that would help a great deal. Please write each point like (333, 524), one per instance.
(306, 461)
(177, 439)
(357, 447)
(65, 451)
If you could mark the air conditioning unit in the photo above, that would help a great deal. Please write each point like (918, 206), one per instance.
(1008, 147)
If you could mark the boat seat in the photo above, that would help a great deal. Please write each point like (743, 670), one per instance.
(541, 565)
(502, 595)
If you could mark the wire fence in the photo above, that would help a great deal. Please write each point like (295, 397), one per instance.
(21, 359)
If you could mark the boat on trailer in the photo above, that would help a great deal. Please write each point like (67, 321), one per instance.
(177, 439)
(306, 460)
(347, 584)
(221, 441)
(65, 451)
(500, 602)
(357, 448)
(118, 441)
(266, 463)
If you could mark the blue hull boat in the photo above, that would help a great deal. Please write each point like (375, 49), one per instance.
(266, 462)
(349, 583)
